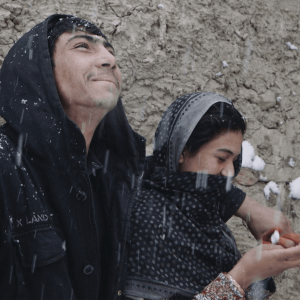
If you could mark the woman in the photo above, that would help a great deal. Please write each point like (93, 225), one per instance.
(180, 245)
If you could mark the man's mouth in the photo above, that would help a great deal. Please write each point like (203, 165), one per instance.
(114, 81)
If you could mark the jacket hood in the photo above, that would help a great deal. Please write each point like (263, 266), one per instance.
(176, 126)
(30, 105)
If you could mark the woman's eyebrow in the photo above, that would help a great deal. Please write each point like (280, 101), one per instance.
(226, 150)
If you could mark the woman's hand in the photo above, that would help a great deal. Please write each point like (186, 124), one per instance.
(264, 261)
(261, 220)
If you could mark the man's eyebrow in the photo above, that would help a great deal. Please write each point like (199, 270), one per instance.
(107, 44)
(92, 39)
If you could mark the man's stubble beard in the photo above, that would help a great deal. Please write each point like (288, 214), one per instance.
(108, 103)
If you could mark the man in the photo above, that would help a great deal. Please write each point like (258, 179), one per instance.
(53, 216)
(69, 172)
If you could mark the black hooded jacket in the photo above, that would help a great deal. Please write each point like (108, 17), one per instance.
(49, 238)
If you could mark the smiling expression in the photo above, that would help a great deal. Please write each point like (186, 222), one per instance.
(85, 72)
(216, 157)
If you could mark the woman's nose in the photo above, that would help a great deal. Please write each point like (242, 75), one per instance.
(228, 170)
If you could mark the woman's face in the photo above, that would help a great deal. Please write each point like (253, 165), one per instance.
(215, 157)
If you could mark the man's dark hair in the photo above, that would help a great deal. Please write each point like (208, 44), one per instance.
(220, 117)
(58, 26)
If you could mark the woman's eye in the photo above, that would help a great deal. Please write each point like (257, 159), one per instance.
(221, 159)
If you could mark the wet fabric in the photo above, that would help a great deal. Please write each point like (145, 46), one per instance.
(178, 236)
(50, 201)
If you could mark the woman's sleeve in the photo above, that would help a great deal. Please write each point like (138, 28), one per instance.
(230, 205)
(223, 287)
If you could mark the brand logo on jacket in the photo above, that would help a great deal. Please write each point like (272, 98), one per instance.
(35, 218)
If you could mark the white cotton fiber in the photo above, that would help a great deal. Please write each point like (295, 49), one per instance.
(275, 237)
(248, 154)
(271, 187)
(250, 160)
(292, 162)
(263, 178)
(291, 46)
(258, 163)
(295, 188)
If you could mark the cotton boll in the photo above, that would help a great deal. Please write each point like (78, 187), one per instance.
(258, 163)
(225, 65)
(160, 6)
(219, 74)
(262, 178)
(271, 187)
(279, 99)
(292, 162)
(295, 188)
(291, 46)
(250, 160)
(275, 237)
(248, 154)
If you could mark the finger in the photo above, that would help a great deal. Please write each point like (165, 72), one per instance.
(292, 253)
(266, 242)
(292, 236)
(286, 243)
(270, 246)
(267, 235)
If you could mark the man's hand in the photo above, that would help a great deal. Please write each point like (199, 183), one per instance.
(261, 220)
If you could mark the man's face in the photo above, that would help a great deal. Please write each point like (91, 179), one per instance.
(85, 71)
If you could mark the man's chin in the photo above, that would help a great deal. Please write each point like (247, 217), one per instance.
(107, 103)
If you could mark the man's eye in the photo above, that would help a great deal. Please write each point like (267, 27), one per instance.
(83, 45)
(221, 159)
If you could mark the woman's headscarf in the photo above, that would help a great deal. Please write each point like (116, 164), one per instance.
(176, 126)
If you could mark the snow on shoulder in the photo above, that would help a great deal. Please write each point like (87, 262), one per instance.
(271, 187)
(295, 189)
(250, 160)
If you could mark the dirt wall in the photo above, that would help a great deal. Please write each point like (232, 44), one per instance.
(166, 48)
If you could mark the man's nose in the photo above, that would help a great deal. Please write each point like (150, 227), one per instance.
(106, 59)
(228, 170)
